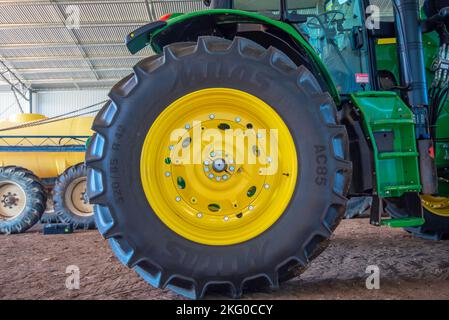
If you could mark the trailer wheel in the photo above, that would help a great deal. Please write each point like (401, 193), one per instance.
(22, 199)
(70, 198)
(218, 224)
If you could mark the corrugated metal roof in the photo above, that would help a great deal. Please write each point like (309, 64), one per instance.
(36, 44)
(34, 37)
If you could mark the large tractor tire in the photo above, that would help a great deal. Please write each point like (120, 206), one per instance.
(217, 224)
(22, 199)
(436, 216)
(70, 198)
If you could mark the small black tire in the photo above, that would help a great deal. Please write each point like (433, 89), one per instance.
(70, 198)
(435, 227)
(123, 214)
(22, 199)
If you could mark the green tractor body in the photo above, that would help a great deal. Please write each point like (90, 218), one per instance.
(380, 88)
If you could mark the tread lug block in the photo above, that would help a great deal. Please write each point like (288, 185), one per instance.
(316, 245)
(106, 116)
(123, 88)
(149, 272)
(148, 65)
(273, 279)
(122, 250)
(341, 184)
(257, 281)
(328, 112)
(169, 54)
(290, 266)
(248, 48)
(280, 61)
(211, 44)
(104, 220)
(94, 184)
(96, 148)
(338, 146)
(183, 286)
(332, 214)
(220, 287)
(309, 82)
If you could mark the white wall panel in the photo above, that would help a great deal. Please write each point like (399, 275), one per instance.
(8, 105)
(54, 103)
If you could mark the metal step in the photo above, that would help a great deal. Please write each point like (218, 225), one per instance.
(403, 222)
(398, 154)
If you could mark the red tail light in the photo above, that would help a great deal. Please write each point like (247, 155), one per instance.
(165, 17)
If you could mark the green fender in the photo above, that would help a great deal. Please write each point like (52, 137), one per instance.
(153, 33)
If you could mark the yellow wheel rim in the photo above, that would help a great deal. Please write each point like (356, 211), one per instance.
(219, 166)
(436, 205)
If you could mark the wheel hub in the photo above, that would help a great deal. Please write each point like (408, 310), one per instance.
(13, 200)
(223, 191)
(9, 200)
(76, 198)
(219, 165)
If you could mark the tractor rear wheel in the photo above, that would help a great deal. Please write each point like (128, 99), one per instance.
(70, 198)
(436, 216)
(218, 222)
(22, 199)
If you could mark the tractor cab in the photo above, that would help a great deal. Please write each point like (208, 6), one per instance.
(334, 28)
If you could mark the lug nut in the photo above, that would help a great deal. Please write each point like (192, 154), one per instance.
(266, 186)
(231, 168)
(211, 116)
(167, 174)
(218, 178)
(250, 208)
(187, 126)
(225, 177)
(211, 176)
(199, 215)
(226, 218)
(178, 199)
(238, 119)
(171, 147)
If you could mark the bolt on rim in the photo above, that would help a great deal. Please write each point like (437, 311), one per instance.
(234, 200)
(76, 198)
(12, 200)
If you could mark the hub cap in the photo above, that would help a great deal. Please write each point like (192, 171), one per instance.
(76, 198)
(219, 166)
(12, 200)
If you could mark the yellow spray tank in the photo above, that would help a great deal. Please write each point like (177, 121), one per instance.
(42, 170)
(46, 149)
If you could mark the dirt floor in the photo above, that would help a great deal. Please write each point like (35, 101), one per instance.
(33, 267)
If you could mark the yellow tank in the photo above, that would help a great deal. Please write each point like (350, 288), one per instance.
(47, 149)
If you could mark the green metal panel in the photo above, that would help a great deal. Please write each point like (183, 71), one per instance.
(387, 60)
(396, 171)
(403, 223)
(263, 19)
